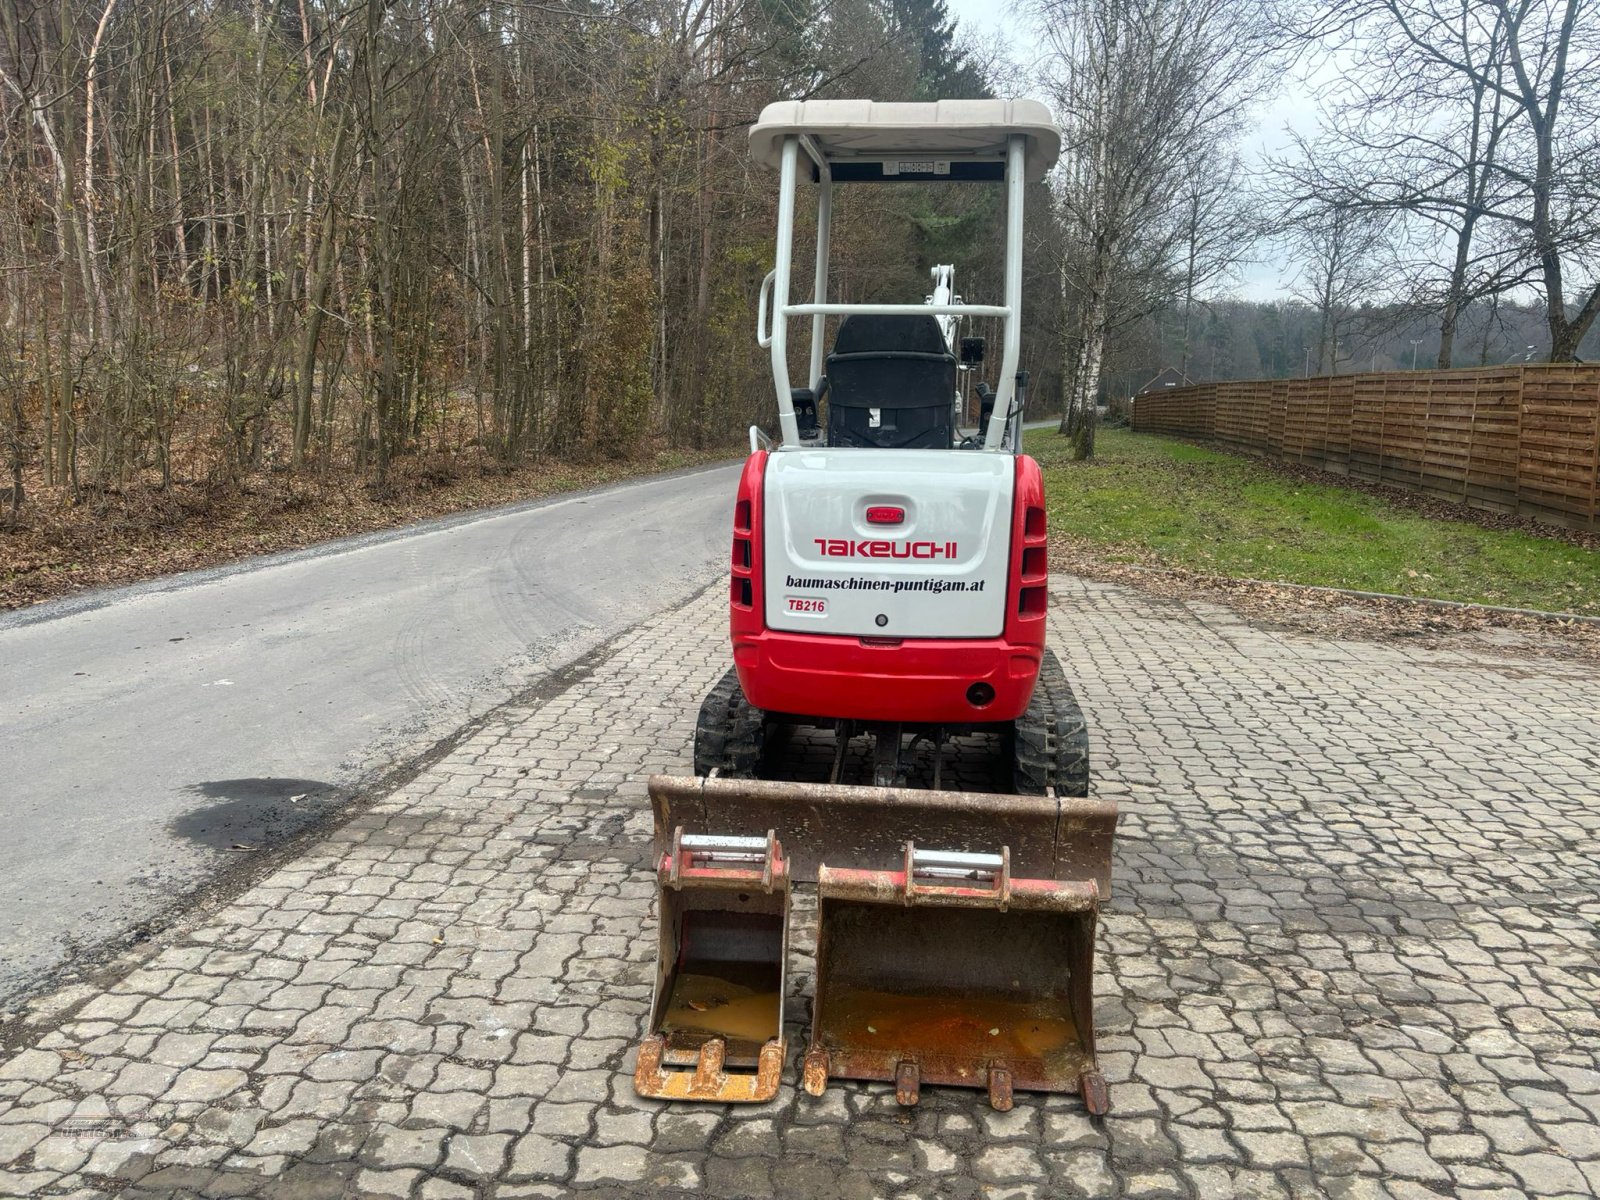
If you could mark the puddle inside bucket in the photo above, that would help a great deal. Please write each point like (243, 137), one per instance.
(718, 998)
(977, 1027)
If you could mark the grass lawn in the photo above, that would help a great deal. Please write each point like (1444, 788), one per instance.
(1146, 499)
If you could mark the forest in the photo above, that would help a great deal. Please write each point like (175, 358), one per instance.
(307, 239)
(1276, 339)
(242, 236)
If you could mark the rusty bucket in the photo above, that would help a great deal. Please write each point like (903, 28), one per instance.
(951, 971)
(716, 1020)
(1051, 837)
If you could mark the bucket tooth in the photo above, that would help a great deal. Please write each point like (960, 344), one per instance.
(951, 970)
(907, 1084)
(1000, 1098)
(1096, 1098)
(814, 1074)
(716, 1019)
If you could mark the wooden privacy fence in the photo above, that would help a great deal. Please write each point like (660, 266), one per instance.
(1522, 439)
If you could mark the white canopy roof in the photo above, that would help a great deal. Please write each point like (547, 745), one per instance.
(945, 129)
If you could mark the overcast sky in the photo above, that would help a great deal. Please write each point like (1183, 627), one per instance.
(1293, 108)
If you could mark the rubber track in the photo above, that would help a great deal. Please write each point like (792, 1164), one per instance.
(729, 732)
(1050, 744)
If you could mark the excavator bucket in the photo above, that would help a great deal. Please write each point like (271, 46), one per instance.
(951, 971)
(716, 1020)
(850, 827)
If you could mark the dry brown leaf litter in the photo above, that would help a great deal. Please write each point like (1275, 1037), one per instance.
(59, 548)
(1324, 613)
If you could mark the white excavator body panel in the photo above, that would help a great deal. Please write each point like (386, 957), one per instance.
(888, 543)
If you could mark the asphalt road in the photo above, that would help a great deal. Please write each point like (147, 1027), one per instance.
(155, 735)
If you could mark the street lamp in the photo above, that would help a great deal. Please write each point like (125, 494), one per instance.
(1415, 342)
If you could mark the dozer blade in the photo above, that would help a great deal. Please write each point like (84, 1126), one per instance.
(847, 827)
(951, 971)
(716, 1019)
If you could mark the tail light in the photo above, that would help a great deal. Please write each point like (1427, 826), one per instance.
(1030, 556)
(744, 597)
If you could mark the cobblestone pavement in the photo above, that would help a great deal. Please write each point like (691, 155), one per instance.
(1352, 952)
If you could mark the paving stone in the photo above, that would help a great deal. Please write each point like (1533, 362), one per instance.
(141, 1079)
(1272, 1150)
(1547, 1174)
(738, 1177)
(60, 1155)
(458, 1110)
(1007, 1164)
(614, 1128)
(291, 1137)
(123, 1158)
(391, 1147)
(1155, 1185)
(611, 1164)
(35, 1066)
(196, 1086)
(1201, 1145)
(16, 1139)
(678, 1131)
(481, 1157)
(1088, 1173)
(1459, 1147)
(539, 1156)
(381, 1184)
(749, 1139)
(1349, 955)
(562, 1120)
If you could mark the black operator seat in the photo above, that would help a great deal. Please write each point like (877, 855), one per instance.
(891, 383)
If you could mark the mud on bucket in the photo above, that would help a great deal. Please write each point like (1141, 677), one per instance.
(948, 971)
(716, 1019)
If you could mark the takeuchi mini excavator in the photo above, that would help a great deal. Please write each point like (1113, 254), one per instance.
(888, 585)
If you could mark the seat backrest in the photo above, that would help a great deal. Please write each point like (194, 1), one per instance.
(891, 382)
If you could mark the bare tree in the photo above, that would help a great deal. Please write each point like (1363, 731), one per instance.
(250, 236)
(1341, 252)
(1219, 221)
(1147, 91)
(1479, 118)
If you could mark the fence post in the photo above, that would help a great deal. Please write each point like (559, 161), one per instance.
(1472, 436)
(1516, 478)
(1594, 478)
